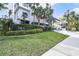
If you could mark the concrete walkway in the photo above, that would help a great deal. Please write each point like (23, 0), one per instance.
(68, 47)
(72, 34)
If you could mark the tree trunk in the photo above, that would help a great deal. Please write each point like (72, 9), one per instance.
(43, 22)
(38, 21)
(33, 19)
(50, 24)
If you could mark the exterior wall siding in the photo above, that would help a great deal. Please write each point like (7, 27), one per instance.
(18, 14)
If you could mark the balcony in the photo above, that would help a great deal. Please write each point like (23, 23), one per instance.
(24, 6)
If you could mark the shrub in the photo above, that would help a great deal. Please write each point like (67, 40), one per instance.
(30, 26)
(6, 25)
(47, 28)
(23, 32)
(0, 33)
(77, 26)
(25, 27)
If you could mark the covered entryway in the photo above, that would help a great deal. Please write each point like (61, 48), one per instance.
(25, 22)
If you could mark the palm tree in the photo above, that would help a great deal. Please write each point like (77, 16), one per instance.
(43, 16)
(10, 22)
(49, 15)
(39, 14)
(2, 6)
(10, 12)
(66, 15)
(3, 22)
(32, 6)
(75, 20)
(72, 20)
(36, 11)
(67, 18)
(77, 24)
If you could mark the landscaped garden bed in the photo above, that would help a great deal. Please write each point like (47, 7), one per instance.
(29, 45)
(23, 29)
(24, 32)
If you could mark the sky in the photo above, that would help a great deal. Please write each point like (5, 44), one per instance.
(60, 8)
(5, 11)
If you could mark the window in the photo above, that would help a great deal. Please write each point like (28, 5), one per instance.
(25, 4)
(24, 15)
(16, 5)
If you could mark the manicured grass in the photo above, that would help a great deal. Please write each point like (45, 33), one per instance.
(32, 45)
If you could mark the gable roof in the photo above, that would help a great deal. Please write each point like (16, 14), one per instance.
(55, 19)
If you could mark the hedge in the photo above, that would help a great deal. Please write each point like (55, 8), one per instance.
(23, 32)
(47, 28)
(25, 26)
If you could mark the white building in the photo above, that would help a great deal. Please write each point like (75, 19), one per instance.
(23, 9)
(19, 9)
(59, 24)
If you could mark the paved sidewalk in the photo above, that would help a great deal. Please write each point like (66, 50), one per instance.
(53, 52)
(68, 47)
(72, 34)
(71, 41)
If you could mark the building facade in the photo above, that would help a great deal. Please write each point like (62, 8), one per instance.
(22, 10)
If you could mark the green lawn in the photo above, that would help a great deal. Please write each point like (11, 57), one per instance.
(32, 45)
